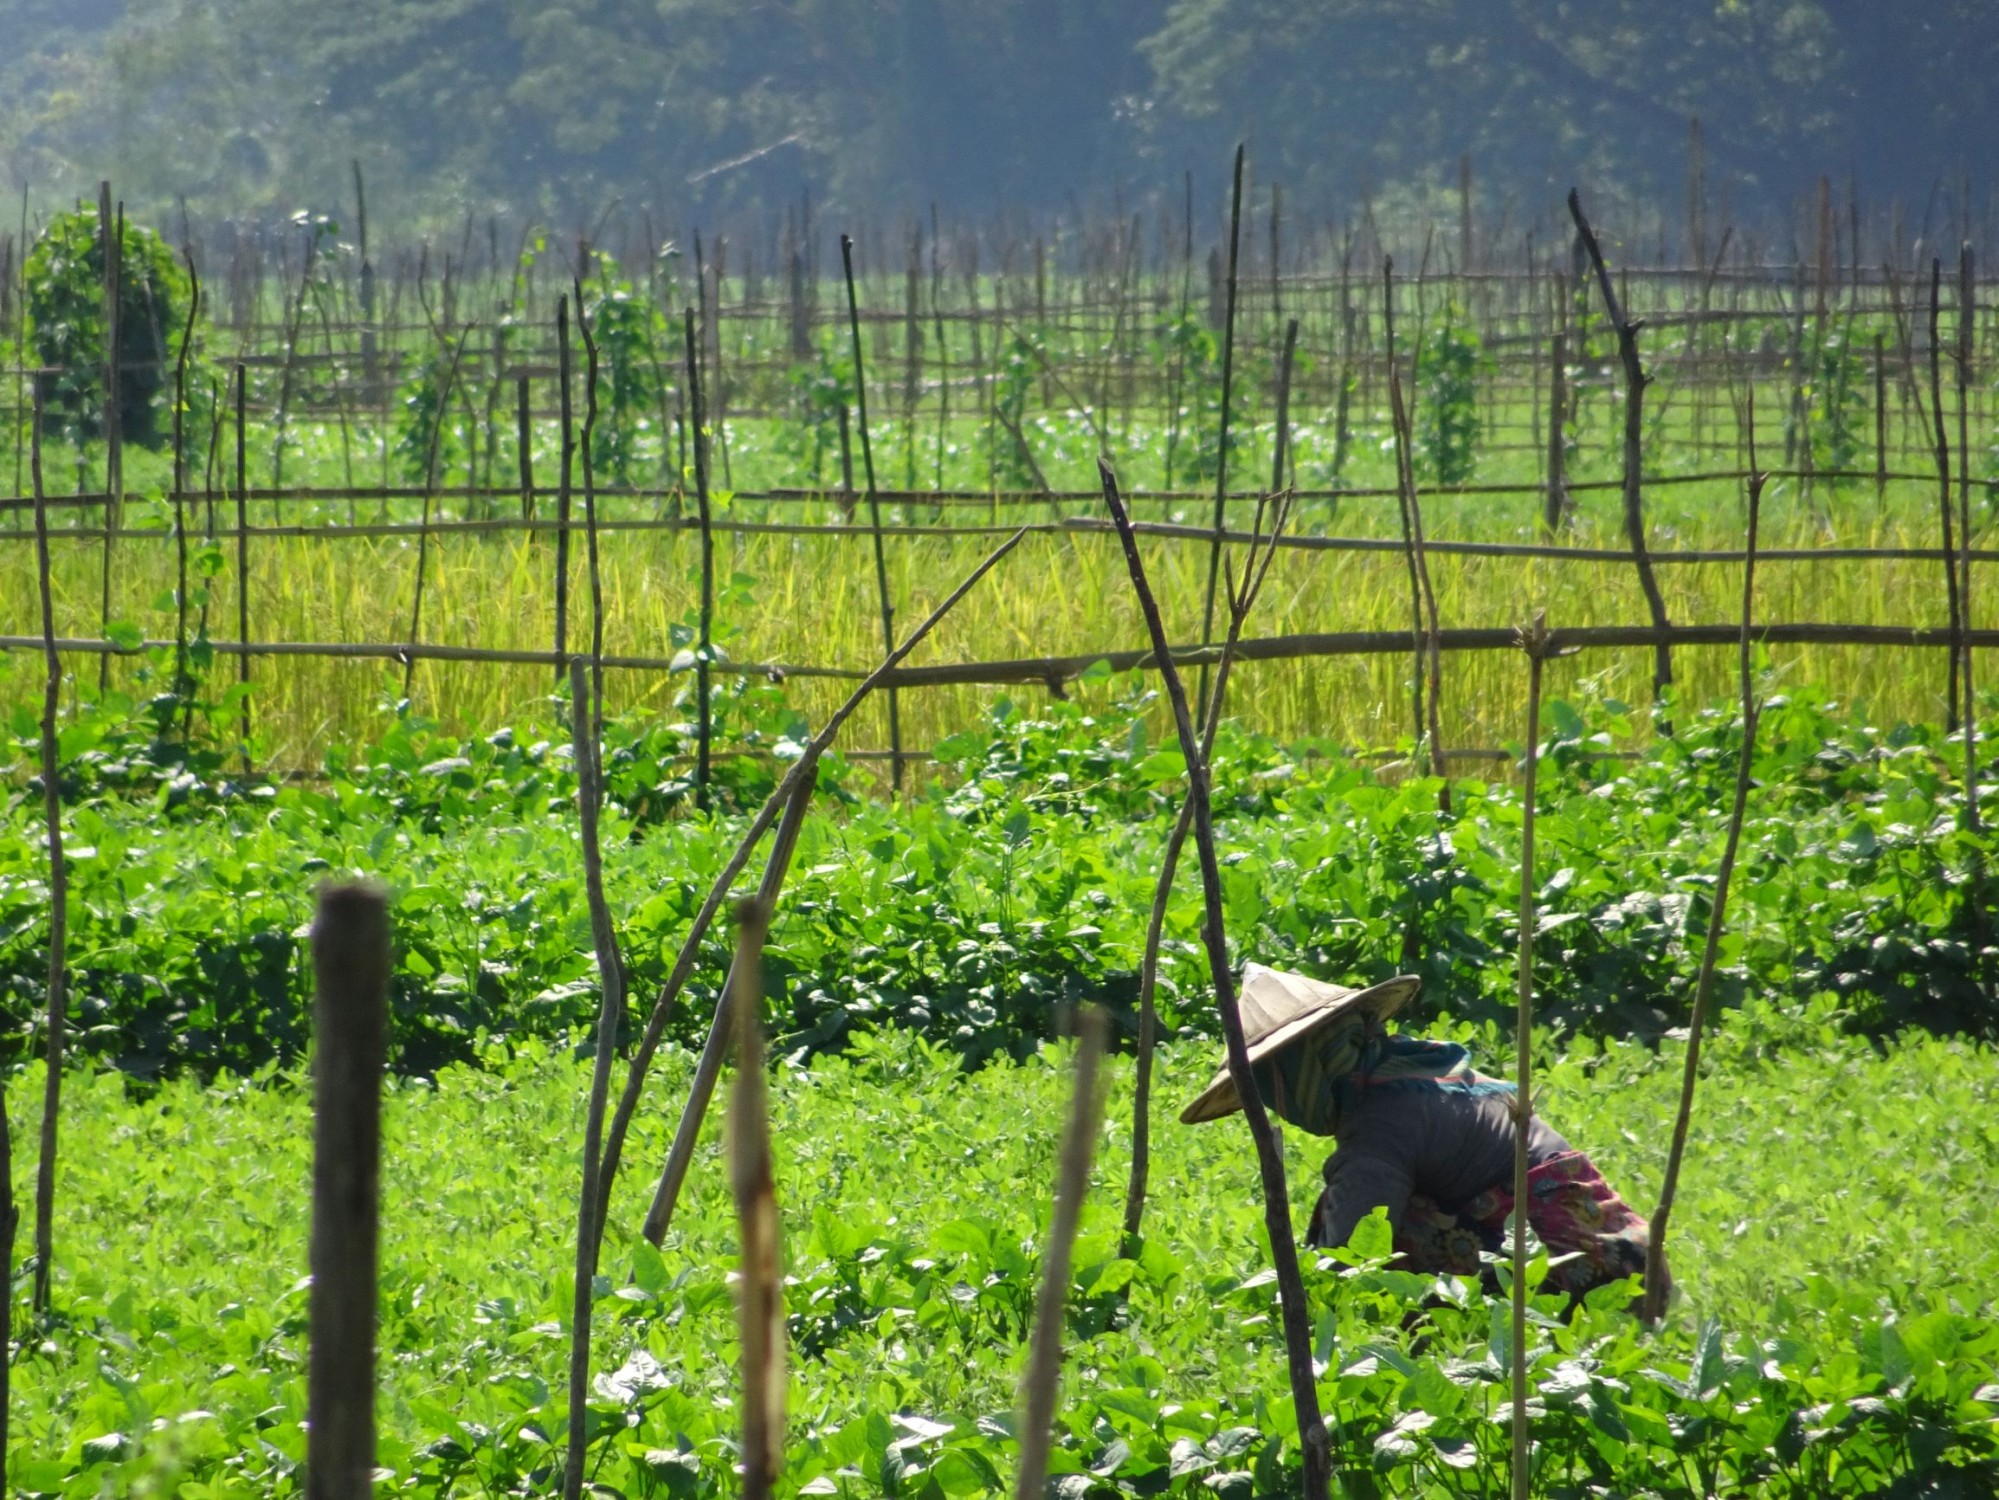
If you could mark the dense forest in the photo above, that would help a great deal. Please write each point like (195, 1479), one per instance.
(558, 109)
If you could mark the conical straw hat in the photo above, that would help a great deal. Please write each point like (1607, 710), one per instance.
(1279, 1008)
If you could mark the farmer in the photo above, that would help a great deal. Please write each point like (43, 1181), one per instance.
(1419, 1133)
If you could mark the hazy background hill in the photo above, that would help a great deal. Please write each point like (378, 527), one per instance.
(712, 106)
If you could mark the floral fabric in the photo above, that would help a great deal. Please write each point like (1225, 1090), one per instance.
(1570, 1207)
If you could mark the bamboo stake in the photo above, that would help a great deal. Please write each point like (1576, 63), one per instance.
(796, 782)
(610, 973)
(58, 1001)
(1312, 1436)
(242, 568)
(1657, 1278)
(760, 1287)
(1534, 640)
(1967, 313)
(181, 686)
(1634, 428)
(1041, 1380)
(704, 650)
(350, 955)
(1222, 448)
(874, 503)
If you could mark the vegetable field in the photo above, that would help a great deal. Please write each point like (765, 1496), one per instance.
(1599, 638)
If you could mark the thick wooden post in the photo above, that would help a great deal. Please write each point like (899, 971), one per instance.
(350, 960)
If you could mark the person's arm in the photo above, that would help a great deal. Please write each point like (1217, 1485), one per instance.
(1359, 1179)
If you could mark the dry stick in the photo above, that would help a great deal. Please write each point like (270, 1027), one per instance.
(1423, 597)
(1240, 603)
(242, 567)
(610, 973)
(1043, 1376)
(58, 1008)
(760, 1303)
(1270, 1161)
(1280, 447)
(1656, 1281)
(1222, 445)
(874, 505)
(590, 523)
(1534, 639)
(429, 489)
(350, 958)
(180, 481)
(800, 776)
(703, 650)
(1634, 427)
(562, 491)
(708, 1067)
(1555, 506)
(524, 434)
(1942, 450)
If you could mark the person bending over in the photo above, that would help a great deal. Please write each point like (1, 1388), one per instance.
(1420, 1133)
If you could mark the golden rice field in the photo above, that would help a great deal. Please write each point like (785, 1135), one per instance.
(812, 601)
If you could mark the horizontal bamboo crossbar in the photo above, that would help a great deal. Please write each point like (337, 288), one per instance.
(1057, 671)
(1068, 524)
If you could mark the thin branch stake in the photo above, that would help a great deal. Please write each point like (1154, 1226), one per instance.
(1270, 1161)
(1657, 1281)
(801, 772)
(1634, 428)
(58, 1000)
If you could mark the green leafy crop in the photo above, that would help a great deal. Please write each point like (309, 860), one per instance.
(65, 303)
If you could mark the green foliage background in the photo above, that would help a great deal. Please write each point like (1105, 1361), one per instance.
(703, 103)
(64, 279)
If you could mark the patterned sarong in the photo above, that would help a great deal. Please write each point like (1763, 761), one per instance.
(1570, 1207)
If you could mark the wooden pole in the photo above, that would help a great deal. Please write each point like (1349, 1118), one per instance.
(1658, 1282)
(350, 955)
(1317, 1447)
(58, 996)
(1042, 1379)
(874, 505)
(760, 1285)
